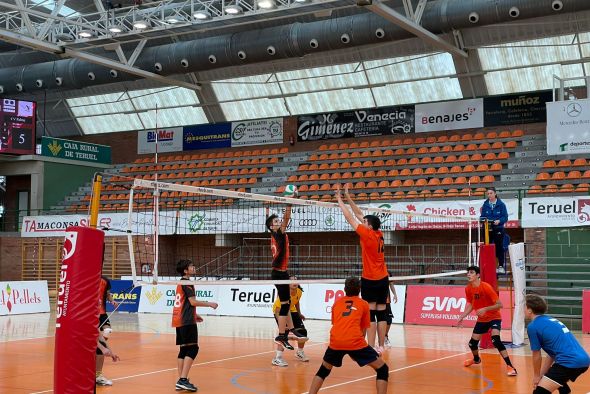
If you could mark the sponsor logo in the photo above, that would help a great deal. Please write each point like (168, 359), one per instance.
(551, 210)
(63, 292)
(70, 242)
(8, 303)
(238, 132)
(124, 296)
(573, 110)
(12, 297)
(255, 299)
(332, 296)
(196, 222)
(275, 129)
(323, 126)
(362, 116)
(583, 210)
(329, 221)
(153, 295)
(563, 147)
(9, 105)
(520, 100)
(160, 135)
(308, 222)
(400, 128)
(54, 147)
(449, 118)
(443, 304)
(520, 264)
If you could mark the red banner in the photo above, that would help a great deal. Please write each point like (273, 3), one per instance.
(76, 324)
(586, 312)
(442, 306)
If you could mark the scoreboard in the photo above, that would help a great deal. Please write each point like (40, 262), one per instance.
(17, 126)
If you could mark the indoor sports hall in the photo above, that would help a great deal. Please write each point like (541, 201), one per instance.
(231, 196)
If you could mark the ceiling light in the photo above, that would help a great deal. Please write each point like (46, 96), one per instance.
(233, 9)
(115, 29)
(266, 4)
(302, 1)
(175, 19)
(85, 33)
(141, 24)
(202, 15)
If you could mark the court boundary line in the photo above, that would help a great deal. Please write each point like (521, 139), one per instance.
(392, 371)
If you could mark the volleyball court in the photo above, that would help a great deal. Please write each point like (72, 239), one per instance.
(236, 346)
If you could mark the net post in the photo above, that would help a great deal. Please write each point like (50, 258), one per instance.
(95, 202)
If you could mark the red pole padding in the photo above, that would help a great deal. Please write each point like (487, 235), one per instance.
(487, 273)
(76, 324)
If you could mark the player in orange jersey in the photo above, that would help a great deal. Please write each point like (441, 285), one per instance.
(104, 328)
(185, 319)
(350, 320)
(482, 298)
(374, 279)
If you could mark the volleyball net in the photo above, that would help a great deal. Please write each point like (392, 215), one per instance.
(223, 233)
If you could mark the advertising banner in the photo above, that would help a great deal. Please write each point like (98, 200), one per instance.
(75, 150)
(357, 123)
(442, 306)
(318, 299)
(514, 109)
(568, 127)
(169, 140)
(17, 298)
(123, 294)
(586, 311)
(450, 115)
(257, 132)
(556, 211)
(517, 263)
(209, 136)
(160, 298)
(246, 300)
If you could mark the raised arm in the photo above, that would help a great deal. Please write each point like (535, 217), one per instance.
(286, 218)
(355, 209)
(348, 215)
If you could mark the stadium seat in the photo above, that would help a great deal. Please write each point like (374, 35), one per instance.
(417, 171)
(430, 171)
(385, 143)
(434, 149)
(442, 139)
(433, 182)
(564, 163)
(517, 133)
(469, 168)
(582, 188)
(456, 170)
(333, 147)
(402, 162)
(411, 151)
(421, 182)
(535, 189)
(504, 134)
(378, 163)
(510, 144)
(558, 175)
(488, 179)
(482, 168)
(460, 180)
(408, 183)
(466, 137)
(426, 160)
(490, 156)
(452, 193)
(551, 189)
(463, 158)
(442, 170)
(479, 136)
(323, 147)
(474, 179)
(405, 172)
(395, 183)
(374, 144)
(447, 181)
(459, 148)
(579, 162)
(567, 188)
(343, 146)
(393, 173)
(543, 176)
(450, 159)
(574, 174)
(422, 150)
(438, 193)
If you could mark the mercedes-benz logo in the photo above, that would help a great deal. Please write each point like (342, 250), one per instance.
(574, 110)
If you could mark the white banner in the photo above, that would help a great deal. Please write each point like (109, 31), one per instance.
(556, 211)
(17, 298)
(318, 299)
(246, 300)
(169, 140)
(568, 127)
(257, 132)
(160, 298)
(450, 115)
(55, 225)
(517, 263)
(251, 220)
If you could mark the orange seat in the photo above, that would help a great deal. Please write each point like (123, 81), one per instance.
(460, 180)
(543, 176)
(395, 183)
(381, 174)
(482, 168)
(474, 179)
(450, 159)
(434, 149)
(442, 170)
(463, 158)
(490, 156)
(466, 137)
(567, 188)
(372, 185)
(433, 182)
(459, 148)
(405, 172)
(335, 176)
(454, 138)
(452, 193)
(360, 185)
(574, 174)
(496, 167)
(402, 162)
(442, 138)
(379, 163)
(504, 134)
(302, 188)
(469, 168)
(414, 161)
(370, 174)
(447, 181)
(430, 171)
(392, 173)
(456, 169)
(421, 182)
(383, 184)
(343, 146)
(488, 179)
(399, 195)
(517, 133)
(323, 147)
(479, 136)
(551, 189)
(558, 175)
(535, 189)
(582, 188)
(438, 160)
(438, 193)
(422, 150)
(417, 171)
(497, 145)
(564, 163)
(549, 164)
(470, 147)
(408, 183)
(485, 146)
(446, 148)
(579, 162)
(510, 145)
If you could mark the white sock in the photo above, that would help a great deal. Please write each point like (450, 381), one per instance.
(279, 354)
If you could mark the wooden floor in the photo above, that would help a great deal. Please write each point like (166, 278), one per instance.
(236, 353)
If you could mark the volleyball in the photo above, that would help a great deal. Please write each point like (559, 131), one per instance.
(290, 191)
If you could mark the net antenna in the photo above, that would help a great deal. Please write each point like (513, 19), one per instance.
(156, 207)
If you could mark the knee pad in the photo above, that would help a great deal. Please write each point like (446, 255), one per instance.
(565, 389)
(284, 311)
(323, 372)
(497, 342)
(106, 332)
(182, 352)
(373, 315)
(301, 330)
(473, 344)
(541, 390)
(383, 372)
(381, 315)
(191, 351)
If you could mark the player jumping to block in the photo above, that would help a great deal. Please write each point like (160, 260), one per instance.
(482, 298)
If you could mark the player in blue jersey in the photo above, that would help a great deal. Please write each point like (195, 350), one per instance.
(566, 358)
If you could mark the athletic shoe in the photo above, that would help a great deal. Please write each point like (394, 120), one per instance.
(470, 362)
(511, 371)
(184, 384)
(282, 340)
(298, 336)
(101, 380)
(387, 343)
(300, 355)
(279, 362)
(500, 270)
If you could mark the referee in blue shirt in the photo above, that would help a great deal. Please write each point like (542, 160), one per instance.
(494, 210)
(566, 359)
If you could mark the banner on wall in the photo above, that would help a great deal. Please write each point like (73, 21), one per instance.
(160, 298)
(357, 123)
(257, 132)
(20, 297)
(125, 295)
(75, 150)
(442, 306)
(169, 140)
(450, 115)
(210, 136)
(556, 211)
(568, 127)
(516, 108)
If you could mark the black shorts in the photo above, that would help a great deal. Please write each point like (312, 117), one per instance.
(283, 290)
(484, 327)
(185, 335)
(362, 356)
(388, 313)
(297, 322)
(375, 290)
(98, 351)
(103, 321)
(561, 375)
